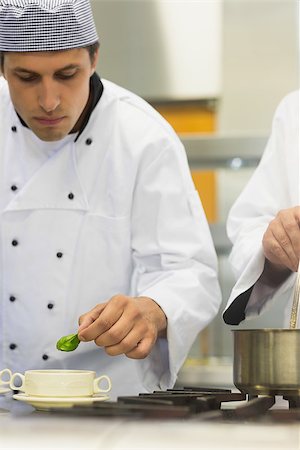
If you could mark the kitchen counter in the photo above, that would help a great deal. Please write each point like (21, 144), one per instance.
(22, 427)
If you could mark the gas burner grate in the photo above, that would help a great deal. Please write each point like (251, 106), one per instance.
(172, 403)
(191, 403)
(196, 399)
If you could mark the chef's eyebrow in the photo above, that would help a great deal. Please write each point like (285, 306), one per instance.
(32, 72)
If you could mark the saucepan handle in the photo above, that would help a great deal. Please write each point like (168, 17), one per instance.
(295, 305)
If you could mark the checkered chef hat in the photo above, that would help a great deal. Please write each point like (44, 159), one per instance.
(42, 25)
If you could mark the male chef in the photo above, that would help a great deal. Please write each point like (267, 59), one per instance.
(100, 221)
(264, 223)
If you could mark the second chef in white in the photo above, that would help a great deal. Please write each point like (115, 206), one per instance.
(263, 223)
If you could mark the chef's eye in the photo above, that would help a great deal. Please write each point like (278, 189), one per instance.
(27, 78)
(66, 75)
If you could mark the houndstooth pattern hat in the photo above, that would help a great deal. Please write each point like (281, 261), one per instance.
(42, 25)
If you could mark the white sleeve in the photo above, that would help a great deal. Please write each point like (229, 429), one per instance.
(175, 260)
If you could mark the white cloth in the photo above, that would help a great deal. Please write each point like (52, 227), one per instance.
(135, 226)
(273, 186)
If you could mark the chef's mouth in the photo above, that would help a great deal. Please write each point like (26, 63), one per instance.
(49, 121)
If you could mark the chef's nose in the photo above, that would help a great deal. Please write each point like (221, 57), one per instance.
(49, 98)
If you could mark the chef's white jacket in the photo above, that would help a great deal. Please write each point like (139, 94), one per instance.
(114, 212)
(273, 186)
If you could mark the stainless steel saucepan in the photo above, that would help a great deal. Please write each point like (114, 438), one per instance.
(267, 361)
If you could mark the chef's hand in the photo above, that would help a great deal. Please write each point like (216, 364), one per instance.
(128, 325)
(281, 241)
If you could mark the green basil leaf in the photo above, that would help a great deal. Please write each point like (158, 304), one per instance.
(68, 343)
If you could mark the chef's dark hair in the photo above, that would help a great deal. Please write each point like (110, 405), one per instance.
(92, 49)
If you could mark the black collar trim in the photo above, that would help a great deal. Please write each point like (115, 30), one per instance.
(96, 89)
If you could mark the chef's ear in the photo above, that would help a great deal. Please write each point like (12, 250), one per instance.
(94, 56)
(2, 64)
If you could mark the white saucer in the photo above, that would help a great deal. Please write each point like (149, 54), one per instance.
(4, 390)
(44, 403)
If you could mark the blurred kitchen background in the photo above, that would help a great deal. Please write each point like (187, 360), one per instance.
(216, 70)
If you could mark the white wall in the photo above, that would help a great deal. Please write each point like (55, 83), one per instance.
(254, 62)
(260, 61)
(161, 49)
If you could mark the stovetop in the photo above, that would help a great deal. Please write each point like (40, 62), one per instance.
(193, 403)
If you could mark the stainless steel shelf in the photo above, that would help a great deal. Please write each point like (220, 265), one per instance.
(231, 151)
